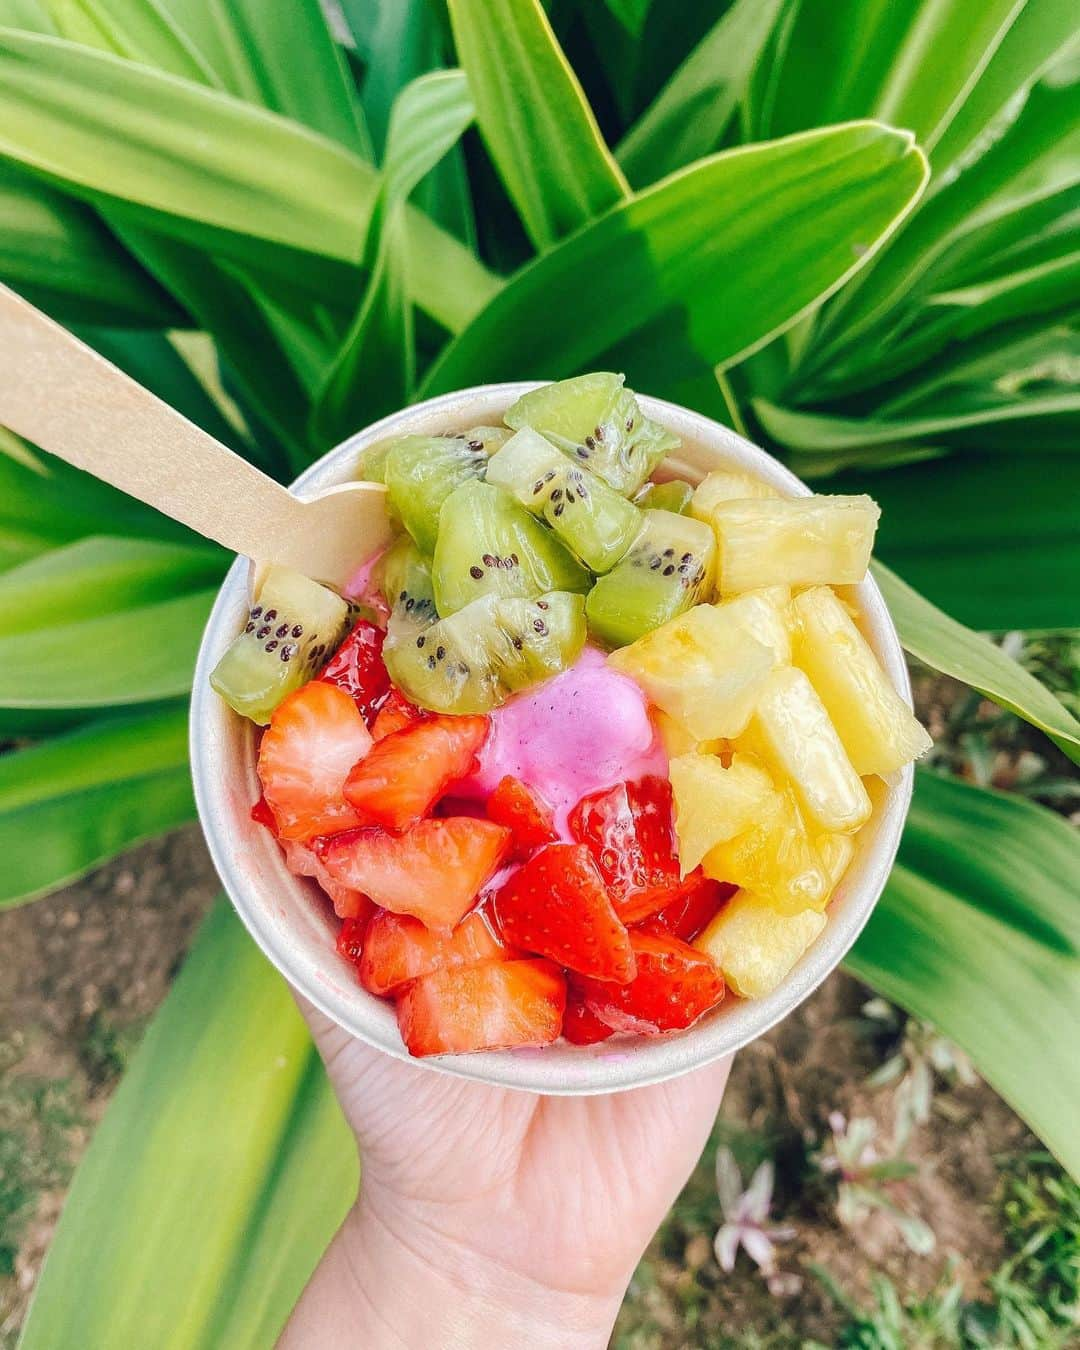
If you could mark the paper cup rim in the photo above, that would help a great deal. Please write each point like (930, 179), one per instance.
(294, 927)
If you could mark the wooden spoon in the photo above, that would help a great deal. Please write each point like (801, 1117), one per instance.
(62, 396)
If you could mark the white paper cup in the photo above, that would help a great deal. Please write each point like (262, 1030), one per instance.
(293, 923)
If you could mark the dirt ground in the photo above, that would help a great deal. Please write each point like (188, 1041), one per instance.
(84, 969)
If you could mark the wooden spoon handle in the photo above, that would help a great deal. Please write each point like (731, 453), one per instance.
(58, 393)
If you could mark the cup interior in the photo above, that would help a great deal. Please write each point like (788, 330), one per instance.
(293, 922)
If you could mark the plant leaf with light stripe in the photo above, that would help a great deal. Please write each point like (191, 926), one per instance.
(979, 932)
(534, 118)
(943, 644)
(218, 1175)
(71, 802)
(673, 277)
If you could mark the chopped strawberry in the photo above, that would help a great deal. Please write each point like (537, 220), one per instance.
(580, 1026)
(674, 986)
(693, 907)
(434, 872)
(262, 815)
(357, 667)
(630, 831)
(398, 782)
(398, 948)
(304, 862)
(350, 941)
(557, 905)
(517, 806)
(492, 1006)
(315, 737)
(395, 713)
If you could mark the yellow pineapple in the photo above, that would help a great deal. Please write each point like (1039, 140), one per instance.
(836, 852)
(726, 485)
(703, 669)
(678, 741)
(800, 541)
(792, 733)
(755, 946)
(713, 803)
(877, 728)
(765, 614)
(775, 857)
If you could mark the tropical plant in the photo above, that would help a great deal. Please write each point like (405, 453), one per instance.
(849, 229)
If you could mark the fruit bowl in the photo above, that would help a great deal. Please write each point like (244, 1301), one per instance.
(290, 920)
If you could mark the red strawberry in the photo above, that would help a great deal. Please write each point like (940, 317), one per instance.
(492, 1006)
(630, 831)
(350, 941)
(357, 667)
(434, 872)
(674, 985)
(395, 713)
(398, 948)
(693, 907)
(262, 815)
(557, 905)
(404, 775)
(304, 862)
(315, 737)
(580, 1026)
(517, 806)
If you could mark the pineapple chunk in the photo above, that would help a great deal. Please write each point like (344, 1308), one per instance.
(726, 485)
(774, 857)
(877, 728)
(836, 852)
(678, 741)
(701, 668)
(766, 615)
(755, 947)
(713, 803)
(792, 733)
(800, 541)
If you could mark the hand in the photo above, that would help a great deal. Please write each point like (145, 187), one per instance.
(488, 1217)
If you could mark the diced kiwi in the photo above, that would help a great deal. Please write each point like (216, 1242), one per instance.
(488, 544)
(292, 629)
(371, 466)
(668, 569)
(598, 422)
(406, 587)
(475, 659)
(587, 515)
(675, 495)
(420, 472)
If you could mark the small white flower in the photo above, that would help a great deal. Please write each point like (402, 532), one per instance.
(746, 1219)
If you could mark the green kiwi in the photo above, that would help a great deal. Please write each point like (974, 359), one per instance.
(675, 496)
(405, 577)
(599, 423)
(292, 629)
(587, 515)
(488, 544)
(420, 472)
(476, 658)
(669, 568)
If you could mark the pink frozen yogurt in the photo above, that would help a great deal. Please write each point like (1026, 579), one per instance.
(575, 734)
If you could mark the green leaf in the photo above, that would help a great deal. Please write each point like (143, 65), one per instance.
(139, 30)
(209, 170)
(99, 575)
(57, 253)
(674, 277)
(988, 539)
(534, 117)
(374, 371)
(218, 1175)
(283, 57)
(631, 13)
(692, 111)
(943, 644)
(978, 931)
(69, 803)
(131, 656)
